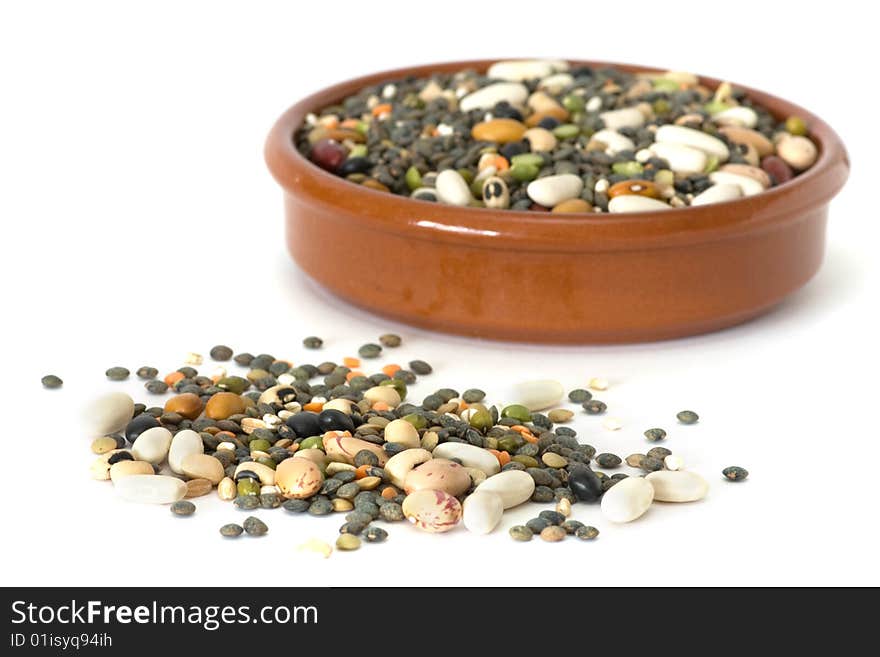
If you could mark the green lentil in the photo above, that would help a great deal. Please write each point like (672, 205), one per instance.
(244, 359)
(543, 494)
(117, 373)
(579, 396)
(473, 395)
(659, 452)
(586, 532)
(147, 372)
(420, 367)
(375, 535)
(296, 506)
(520, 533)
(405, 375)
(51, 381)
(655, 434)
(270, 500)
(232, 530)
(313, 342)
(652, 464)
(365, 457)
(156, 387)
(553, 517)
(320, 506)
(687, 417)
(607, 460)
(571, 526)
(254, 526)
(369, 350)
(527, 461)
(537, 525)
(735, 473)
(391, 512)
(247, 502)
(220, 352)
(183, 508)
(390, 340)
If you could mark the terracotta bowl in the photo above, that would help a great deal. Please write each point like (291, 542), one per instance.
(533, 276)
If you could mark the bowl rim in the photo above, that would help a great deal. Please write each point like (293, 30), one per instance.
(544, 230)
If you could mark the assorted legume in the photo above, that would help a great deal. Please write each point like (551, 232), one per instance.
(542, 135)
(333, 439)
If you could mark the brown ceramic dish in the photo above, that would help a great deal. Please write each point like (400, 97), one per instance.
(532, 276)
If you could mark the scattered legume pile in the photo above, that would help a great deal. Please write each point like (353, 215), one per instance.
(330, 439)
(540, 135)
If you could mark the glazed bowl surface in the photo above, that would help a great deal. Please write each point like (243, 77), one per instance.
(542, 277)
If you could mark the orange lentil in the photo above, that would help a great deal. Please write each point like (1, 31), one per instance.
(383, 108)
(352, 374)
(525, 433)
(173, 378)
(501, 163)
(292, 448)
(503, 457)
(315, 407)
(381, 406)
(225, 435)
(329, 121)
(361, 472)
(391, 370)
(350, 123)
(389, 492)
(351, 362)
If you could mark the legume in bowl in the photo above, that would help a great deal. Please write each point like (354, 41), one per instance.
(556, 201)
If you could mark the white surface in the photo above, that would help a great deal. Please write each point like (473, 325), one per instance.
(141, 224)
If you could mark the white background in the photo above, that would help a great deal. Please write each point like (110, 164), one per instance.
(141, 223)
